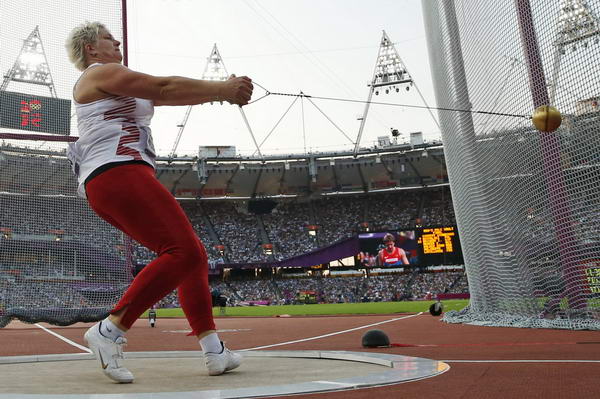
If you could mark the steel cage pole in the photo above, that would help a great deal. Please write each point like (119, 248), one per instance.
(562, 218)
(124, 28)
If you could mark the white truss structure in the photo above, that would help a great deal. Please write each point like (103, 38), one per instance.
(390, 74)
(214, 70)
(31, 65)
(576, 27)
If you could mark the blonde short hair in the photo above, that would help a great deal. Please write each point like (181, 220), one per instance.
(86, 33)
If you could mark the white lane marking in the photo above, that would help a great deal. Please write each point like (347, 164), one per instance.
(68, 341)
(522, 361)
(330, 334)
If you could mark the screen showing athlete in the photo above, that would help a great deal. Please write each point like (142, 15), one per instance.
(391, 255)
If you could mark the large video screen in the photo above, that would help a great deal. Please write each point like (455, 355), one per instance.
(427, 246)
(398, 250)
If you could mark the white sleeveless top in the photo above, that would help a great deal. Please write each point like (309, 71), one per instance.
(112, 129)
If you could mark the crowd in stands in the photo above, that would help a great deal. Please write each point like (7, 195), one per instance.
(438, 209)
(335, 218)
(56, 218)
(338, 217)
(200, 223)
(238, 230)
(393, 210)
(41, 295)
(242, 234)
(284, 291)
(448, 282)
(287, 229)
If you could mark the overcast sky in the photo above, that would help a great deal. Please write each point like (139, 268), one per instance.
(322, 48)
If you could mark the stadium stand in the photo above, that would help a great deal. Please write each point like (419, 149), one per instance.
(53, 215)
(223, 222)
(284, 291)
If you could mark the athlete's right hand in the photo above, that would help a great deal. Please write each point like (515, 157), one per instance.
(237, 90)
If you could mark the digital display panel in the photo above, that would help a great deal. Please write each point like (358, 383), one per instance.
(375, 252)
(428, 246)
(592, 275)
(439, 246)
(35, 113)
(437, 240)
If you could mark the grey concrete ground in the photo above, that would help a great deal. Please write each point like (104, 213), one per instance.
(172, 375)
(182, 374)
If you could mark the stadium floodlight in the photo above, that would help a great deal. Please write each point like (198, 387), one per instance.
(31, 61)
(390, 75)
(31, 66)
(214, 70)
(389, 70)
(575, 28)
(6, 233)
(575, 23)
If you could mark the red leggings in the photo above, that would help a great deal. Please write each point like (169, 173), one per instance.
(132, 199)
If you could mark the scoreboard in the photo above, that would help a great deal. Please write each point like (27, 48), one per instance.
(423, 246)
(437, 240)
(439, 245)
(592, 275)
(35, 113)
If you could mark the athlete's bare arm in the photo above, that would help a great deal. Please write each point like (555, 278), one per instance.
(403, 256)
(380, 258)
(115, 79)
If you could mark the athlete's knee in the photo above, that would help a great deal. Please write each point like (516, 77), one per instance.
(189, 255)
(196, 256)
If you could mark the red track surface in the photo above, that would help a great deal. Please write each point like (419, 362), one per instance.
(456, 342)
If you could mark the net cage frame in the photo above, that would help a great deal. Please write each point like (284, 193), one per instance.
(526, 201)
(59, 262)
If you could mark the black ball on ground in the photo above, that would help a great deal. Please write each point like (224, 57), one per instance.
(436, 309)
(375, 339)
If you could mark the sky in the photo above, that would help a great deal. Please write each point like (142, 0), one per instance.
(322, 48)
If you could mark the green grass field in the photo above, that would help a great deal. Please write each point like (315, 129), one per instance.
(326, 309)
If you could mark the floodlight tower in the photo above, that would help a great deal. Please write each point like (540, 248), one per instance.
(31, 66)
(390, 74)
(576, 27)
(214, 70)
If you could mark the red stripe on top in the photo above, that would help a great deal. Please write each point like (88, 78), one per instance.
(124, 110)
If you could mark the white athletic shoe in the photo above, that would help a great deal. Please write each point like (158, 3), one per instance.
(109, 354)
(219, 363)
